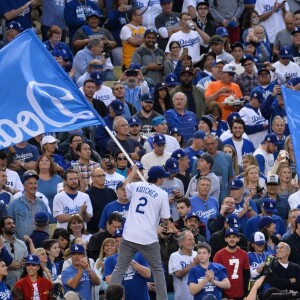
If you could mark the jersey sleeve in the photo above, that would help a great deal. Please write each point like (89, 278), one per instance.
(109, 266)
(174, 264)
(129, 188)
(58, 206)
(165, 208)
(125, 33)
(89, 205)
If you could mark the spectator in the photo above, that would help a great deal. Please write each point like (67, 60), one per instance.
(40, 232)
(12, 30)
(71, 201)
(5, 197)
(237, 51)
(174, 57)
(217, 47)
(183, 206)
(115, 292)
(162, 99)
(23, 209)
(93, 65)
(52, 249)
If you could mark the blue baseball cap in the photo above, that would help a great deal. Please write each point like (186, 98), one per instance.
(232, 231)
(117, 106)
(233, 116)
(296, 30)
(172, 165)
(139, 165)
(77, 249)
(134, 121)
(222, 31)
(269, 205)
(156, 172)
(147, 97)
(236, 184)
(175, 130)
(271, 138)
(245, 58)
(149, 31)
(257, 94)
(92, 13)
(159, 139)
(28, 174)
(165, 1)
(134, 66)
(218, 61)
(118, 232)
(171, 79)
(233, 221)
(32, 259)
(285, 52)
(192, 215)
(158, 120)
(97, 77)
(265, 221)
(179, 153)
(41, 218)
(119, 184)
(199, 134)
(237, 45)
(14, 25)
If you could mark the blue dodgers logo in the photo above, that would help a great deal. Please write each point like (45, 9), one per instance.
(32, 122)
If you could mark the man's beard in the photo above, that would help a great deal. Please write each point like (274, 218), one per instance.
(231, 247)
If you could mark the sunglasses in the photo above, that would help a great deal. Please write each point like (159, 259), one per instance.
(121, 158)
(12, 250)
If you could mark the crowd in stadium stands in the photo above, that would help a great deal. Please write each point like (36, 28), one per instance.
(192, 86)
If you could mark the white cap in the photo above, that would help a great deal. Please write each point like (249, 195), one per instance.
(48, 139)
(229, 68)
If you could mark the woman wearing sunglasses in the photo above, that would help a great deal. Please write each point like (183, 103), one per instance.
(122, 163)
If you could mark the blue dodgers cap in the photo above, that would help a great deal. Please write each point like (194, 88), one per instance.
(118, 232)
(269, 205)
(92, 13)
(139, 165)
(134, 121)
(233, 116)
(147, 97)
(175, 130)
(237, 45)
(158, 120)
(28, 174)
(192, 215)
(117, 106)
(179, 153)
(271, 138)
(218, 61)
(236, 184)
(257, 94)
(199, 134)
(296, 30)
(161, 86)
(119, 184)
(149, 31)
(246, 57)
(285, 52)
(134, 66)
(165, 1)
(77, 249)
(32, 259)
(41, 218)
(232, 231)
(172, 165)
(187, 70)
(171, 79)
(156, 172)
(222, 31)
(233, 221)
(97, 77)
(14, 25)
(265, 221)
(159, 139)
(258, 238)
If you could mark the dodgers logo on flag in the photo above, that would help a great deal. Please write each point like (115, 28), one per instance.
(37, 96)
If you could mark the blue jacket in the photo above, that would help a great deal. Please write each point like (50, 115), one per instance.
(247, 147)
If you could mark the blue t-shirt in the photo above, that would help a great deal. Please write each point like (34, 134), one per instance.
(109, 208)
(84, 288)
(193, 155)
(239, 207)
(205, 210)
(5, 293)
(198, 273)
(135, 285)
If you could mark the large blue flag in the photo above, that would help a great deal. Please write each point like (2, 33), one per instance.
(292, 108)
(36, 94)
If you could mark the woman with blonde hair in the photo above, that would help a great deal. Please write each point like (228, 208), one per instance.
(41, 252)
(108, 248)
(285, 188)
(288, 147)
(252, 182)
(230, 150)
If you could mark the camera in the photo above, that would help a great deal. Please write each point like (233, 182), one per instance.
(259, 190)
(131, 72)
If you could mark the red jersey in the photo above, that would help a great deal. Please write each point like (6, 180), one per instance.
(235, 264)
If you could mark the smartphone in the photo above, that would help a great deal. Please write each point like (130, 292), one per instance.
(131, 72)
(250, 31)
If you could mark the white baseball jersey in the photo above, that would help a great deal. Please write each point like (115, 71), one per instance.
(111, 180)
(177, 262)
(63, 204)
(292, 70)
(148, 203)
(268, 157)
(14, 181)
(252, 117)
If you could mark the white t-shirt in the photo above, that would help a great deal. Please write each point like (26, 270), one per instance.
(150, 9)
(177, 262)
(191, 40)
(238, 148)
(111, 180)
(294, 200)
(63, 204)
(269, 159)
(104, 94)
(148, 204)
(292, 70)
(275, 22)
(14, 181)
(171, 144)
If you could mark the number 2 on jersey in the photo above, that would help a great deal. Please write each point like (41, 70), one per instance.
(236, 263)
(139, 207)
